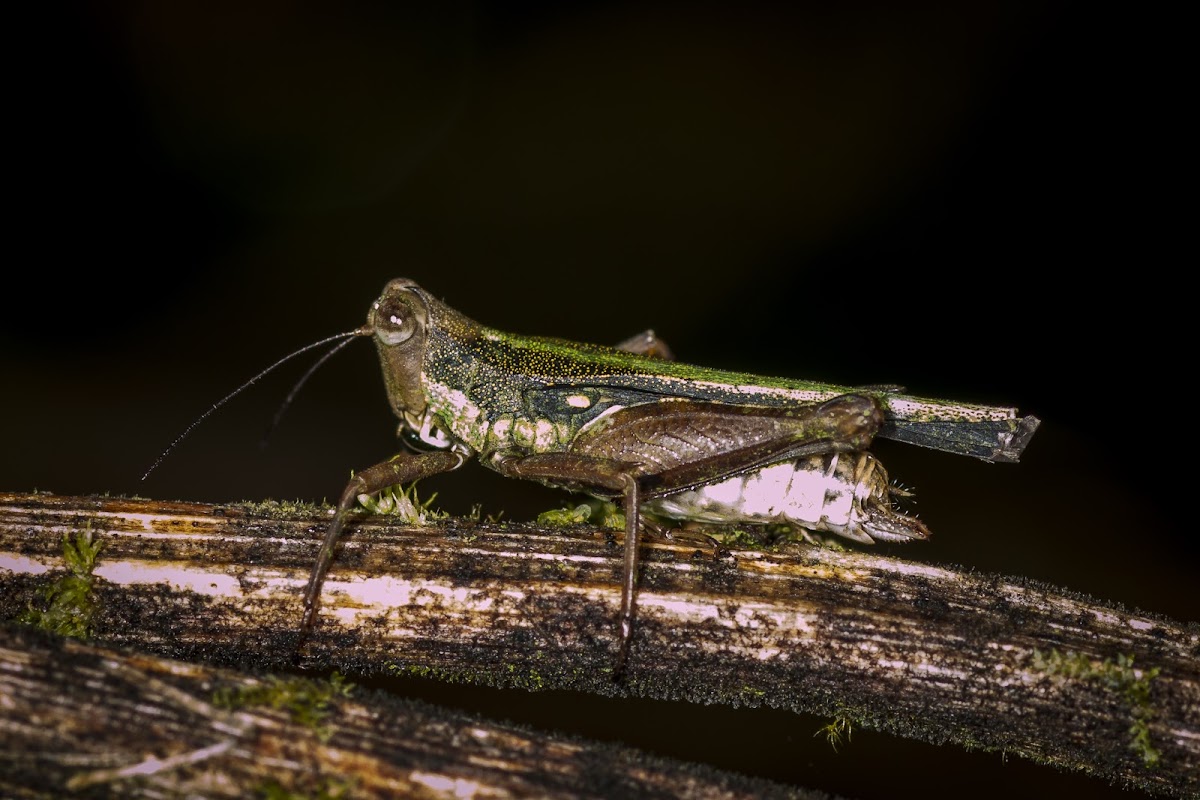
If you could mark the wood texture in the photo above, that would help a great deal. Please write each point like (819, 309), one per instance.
(922, 651)
(90, 721)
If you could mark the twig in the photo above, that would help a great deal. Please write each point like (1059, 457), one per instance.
(140, 726)
(922, 651)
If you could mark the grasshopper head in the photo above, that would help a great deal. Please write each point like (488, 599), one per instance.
(398, 321)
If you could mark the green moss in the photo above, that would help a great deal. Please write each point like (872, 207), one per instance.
(306, 700)
(476, 515)
(402, 502)
(1117, 676)
(563, 517)
(767, 538)
(424, 671)
(511, 676)
(281, 509)
(752, 693)
(69, 602)
(598, 512)
(737, 539)
(835, 731)
(530, 680)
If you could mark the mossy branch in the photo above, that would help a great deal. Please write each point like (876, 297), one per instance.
(927, 652)
(85, 721)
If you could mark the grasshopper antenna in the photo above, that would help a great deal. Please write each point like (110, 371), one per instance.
(287, 401)
(347, 335)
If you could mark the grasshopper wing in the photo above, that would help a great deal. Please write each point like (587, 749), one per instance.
(675, 443)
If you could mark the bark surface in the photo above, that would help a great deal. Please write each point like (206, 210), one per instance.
(932, 653)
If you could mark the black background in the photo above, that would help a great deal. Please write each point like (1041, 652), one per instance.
(977, 203)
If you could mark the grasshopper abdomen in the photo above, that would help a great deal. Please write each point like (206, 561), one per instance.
(847, 494)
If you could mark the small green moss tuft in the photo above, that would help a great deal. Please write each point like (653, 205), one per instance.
(598, 512)
(531, 680)
(835, 731)
(281, 509)
(306, 700)
(1118, 676)
(563, 517)
(69, 601)
(402, 502)
(752, 693)
(325, 789)
(738, 539)
(476, 515)
(423, 671)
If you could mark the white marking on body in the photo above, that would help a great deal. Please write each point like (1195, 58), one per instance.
(466, 420)
(544, 436)
(765, 491)
(608, 412)
(806, 497)
(799, 395)
(806, 500)
(726, 495)
(579, 401)
(523, 433)
(844, 494)
(900, 406)
(907, 408)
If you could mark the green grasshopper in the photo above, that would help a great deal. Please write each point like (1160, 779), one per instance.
(670, 441)
(667, 440)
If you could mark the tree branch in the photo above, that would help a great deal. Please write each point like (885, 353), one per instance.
(922, 651)
(78, 718)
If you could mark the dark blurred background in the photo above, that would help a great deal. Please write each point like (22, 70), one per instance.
(975, 202)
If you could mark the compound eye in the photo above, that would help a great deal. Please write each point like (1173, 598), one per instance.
(395, 321)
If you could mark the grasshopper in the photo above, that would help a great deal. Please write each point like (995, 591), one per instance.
(669, 441)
